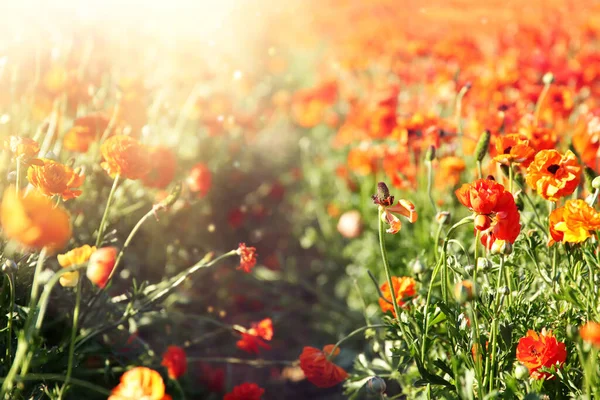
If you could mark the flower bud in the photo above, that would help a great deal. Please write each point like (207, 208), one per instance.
(502, 247)
(100, 265)
(430, 154)
(443, 217)
(521, 371)
(376, 385)
(350, 224)
(548, 78)
(469, 269)
(483, 264)
(596, 183)
(464, 291)
(504, 290)
(418, 267)
(589, 176)
(483, 145)
(9, 267)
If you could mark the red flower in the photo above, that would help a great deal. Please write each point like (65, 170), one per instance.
(318, 369)
(245, 391)
(199, 179)
(496, 214)
(254, 338)
(247, 257)
(537, 350)
(212, 378)
(162, 170)
(174, 359)
(101, 264)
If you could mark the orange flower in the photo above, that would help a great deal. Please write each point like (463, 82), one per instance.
(449, 172)
(404, 287)
(513, 149)
(552, 175)
(362, 161)
(537, 350)
(318, 368)
(496, 214)
(74, 257)
(125, 156)
(199, 179)
(33, 220)
(590, 332)
(174, 359)
(247, 257)
(245, 391)
(309, 105)
(573, 223)
(85, 131)
(101, 264)
(140, 383)
(52, 178)
(163, 168)
(254, 337)
(385, 203)
(22, 147)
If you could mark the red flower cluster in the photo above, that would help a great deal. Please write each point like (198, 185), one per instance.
(247, 257)
(254, 338)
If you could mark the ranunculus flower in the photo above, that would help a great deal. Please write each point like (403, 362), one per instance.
(247, 257)
(175, 360)
(245, 391)
(85, 131)
(126, 157)
(162, 171)
(573, 223)
(53, 178)
(74, 257)
(199, 179)
(22, 147)
(590, 332)
(537, 350)
(100, 265)
(404, 287)
(254, 338)
(553, 175)
(140, 383)
(318, 368)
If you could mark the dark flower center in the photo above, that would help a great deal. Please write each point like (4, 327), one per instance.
(553, 168)
(507, 150)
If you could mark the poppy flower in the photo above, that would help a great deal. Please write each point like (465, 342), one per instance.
(573, 223)
(85, 131)
(245, 391)
(140, 383)
(174, 359)
(52, 178)
(33, 220)
(318, 369)
(247, 257)
(126, 157)
(404, 287)
(162, 170)
(100, 265)
(74, 257)
(553, 175)
(199, 180)
(537, 350)
(590, 332)
(496, 214)
(22, 147)
(254, 338)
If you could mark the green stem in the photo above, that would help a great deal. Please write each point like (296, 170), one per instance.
(386, 265)
(510, 178)
(18, 176)
(11, 310)
(64, 388)
(354, 332)
(494, 333)
(479, 169)
(105, 215)
(430, 185)
(538, 105)
(61, 378)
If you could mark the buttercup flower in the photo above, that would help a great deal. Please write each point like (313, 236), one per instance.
(85, 131)
(573, 223)
(100, 265)
(245, 391)
(590, 332)
(74, 257)
(404, 287)
(537, 350)
(140, 383)
(199, 180)
(52, 178)
(254, 338)
(385, 203)
(553, 175)
(174, 359)
(496, 214)
(513, 149)
(318, 369)
(125, 156)
(247, 257)
(22, 147)
(33, 220)
(162, 171)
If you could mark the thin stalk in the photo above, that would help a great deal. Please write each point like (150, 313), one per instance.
(18, 176)
(494, 333)
(64, 387)
(510, 178)
(61, 378)
(386, 265)
(479, 169)
(105, 215)
(11, 309)
(430, 185)
(354, 332)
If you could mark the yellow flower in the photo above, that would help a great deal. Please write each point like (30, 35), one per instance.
(76, 256)
(574, 223)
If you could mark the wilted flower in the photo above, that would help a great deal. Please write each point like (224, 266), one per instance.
(33, 220)
(318, 368)
(175, 360)
(74, 257)
(100, 265)
(513, 148)
(140, 383)
(404, 288)
(553, 175)
(52, 178)
(247, 257)
(537, 350)
(385, 202)
(245, 391)
(126, 157)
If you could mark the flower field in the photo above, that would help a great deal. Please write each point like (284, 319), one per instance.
(334, 199)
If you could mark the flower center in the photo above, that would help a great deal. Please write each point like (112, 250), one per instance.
(507, 150)
(553, 168)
